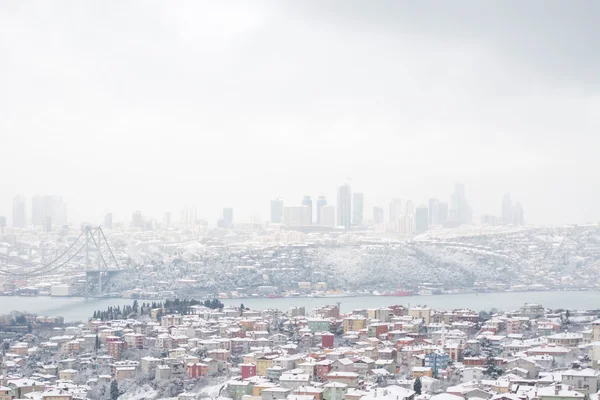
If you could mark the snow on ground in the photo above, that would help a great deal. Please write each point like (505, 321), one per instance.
(143, 393)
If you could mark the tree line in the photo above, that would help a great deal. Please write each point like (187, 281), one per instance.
(175, 306)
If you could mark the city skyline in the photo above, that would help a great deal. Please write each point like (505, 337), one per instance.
(439, 211)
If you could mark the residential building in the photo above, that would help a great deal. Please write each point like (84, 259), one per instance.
(584, 381)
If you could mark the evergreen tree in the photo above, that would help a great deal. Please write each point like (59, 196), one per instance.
(417, 386)
(491, 369)
(97, 344)
(114, 390)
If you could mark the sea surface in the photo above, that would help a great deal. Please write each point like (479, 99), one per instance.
(80, 309)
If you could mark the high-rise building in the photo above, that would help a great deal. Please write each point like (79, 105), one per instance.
(421, 219)
(137, 220)
(460, 211)
(189, 215)
(433, 211)
(406, 224)
(358, 205)
(276, 211)
(228, 217)
(442, 214)
(52, 207)
(321, 201)
(409, 208)
(2, 224)
(167, 220)
(395, 210)
(307, 201)
(518, 215)
(344, 206)
(328, 215)
(507, 210)
(296, 215)
(18, 215)
(378, 215)
(108, 223)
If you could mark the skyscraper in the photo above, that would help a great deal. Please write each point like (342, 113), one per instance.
(307, 201)
(378, 215)
(322, 201)
(136, 220)
(2, 224)
(442, 214)
(433, 211)
(276, 211)
(507, 210)
(108, 221)
(189, 215)
(344, 206)
(460, 211)
(421, 219)
(518, 215)
(328, 215)
(358, 204)
(406, 224)
(228, 217)
(395, 210)
(52, 207)
(18, 215)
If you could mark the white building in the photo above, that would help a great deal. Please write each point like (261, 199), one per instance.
(296, 215)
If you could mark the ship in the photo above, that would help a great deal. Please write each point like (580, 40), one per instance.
(399, 293)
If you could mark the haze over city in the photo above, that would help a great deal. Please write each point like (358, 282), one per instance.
(299, 200)
(146, 107)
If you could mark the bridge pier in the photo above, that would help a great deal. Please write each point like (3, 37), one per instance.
(96, 280)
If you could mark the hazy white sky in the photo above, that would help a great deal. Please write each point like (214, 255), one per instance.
(150, 105)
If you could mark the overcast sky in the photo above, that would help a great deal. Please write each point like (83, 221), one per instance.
(148, 105)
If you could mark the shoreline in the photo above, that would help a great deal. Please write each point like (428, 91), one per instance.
(308, 297)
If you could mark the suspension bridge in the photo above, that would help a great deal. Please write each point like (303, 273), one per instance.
(84, 253)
